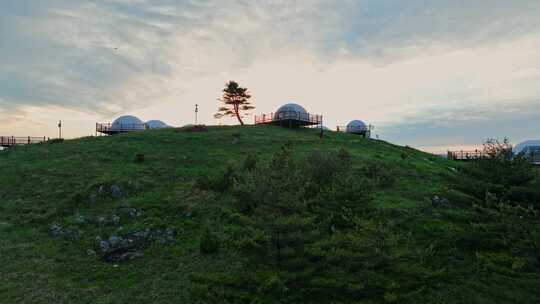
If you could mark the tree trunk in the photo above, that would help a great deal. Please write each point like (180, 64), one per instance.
(237, 111)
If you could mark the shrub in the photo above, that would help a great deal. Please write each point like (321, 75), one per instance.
(139, 158)
(209, 243)
(499, 173)
(250, 163)
(382, 175)
(219, 182)
(55, 140)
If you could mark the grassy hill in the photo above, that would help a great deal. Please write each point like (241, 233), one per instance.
(164, 217)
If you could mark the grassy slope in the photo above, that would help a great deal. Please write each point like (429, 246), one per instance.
(43, 184)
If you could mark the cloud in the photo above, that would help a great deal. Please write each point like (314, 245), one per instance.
(389, 62)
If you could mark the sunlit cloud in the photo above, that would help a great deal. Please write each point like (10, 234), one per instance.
(422, 73)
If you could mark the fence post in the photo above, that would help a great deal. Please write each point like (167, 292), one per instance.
(28, 139)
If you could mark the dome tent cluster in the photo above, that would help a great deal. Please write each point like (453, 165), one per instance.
(290, 115)
(295, 115)
(129, 123)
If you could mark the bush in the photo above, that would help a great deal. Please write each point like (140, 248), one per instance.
(509, 178)
(220, 182)
(55, 141)
(139, 158)
(209, 243)
(380, 174)
(250, 163)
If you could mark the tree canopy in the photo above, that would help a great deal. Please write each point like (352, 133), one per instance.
(235, 100)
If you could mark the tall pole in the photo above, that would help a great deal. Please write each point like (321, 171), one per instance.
(196, 113)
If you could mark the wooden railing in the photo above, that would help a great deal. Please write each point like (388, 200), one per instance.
(108, 127)
(353, 129)
(10, 141)
(288, 115)
(466, 155)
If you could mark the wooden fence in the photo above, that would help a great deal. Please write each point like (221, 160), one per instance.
(10, 141)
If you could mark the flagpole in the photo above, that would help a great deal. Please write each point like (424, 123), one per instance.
(196, 113)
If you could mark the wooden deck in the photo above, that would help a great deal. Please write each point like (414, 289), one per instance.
(466, 155)
(11, 141)
(107, 128)
(289, 119)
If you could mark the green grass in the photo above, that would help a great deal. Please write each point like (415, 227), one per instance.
(52, 183)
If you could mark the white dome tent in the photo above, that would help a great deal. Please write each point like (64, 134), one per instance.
(127, 122)
(530, 149)
(156, 124)
(291, 111)
(122, 124)
(290, 115)
(356, 127)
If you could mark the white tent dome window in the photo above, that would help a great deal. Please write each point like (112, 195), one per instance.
(127, 123)
(291, 111)
(156, 124)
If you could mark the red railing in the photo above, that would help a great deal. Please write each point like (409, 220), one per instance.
(10, 141)
(288, 115)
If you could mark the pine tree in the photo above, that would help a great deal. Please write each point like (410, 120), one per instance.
(236, 100)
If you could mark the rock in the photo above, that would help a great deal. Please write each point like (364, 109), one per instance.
(73, 233)
(90, 252)
(104, 246)
(101, 190)
(79, 219)
(121, 256)
(188, 214)
(116, 192)
(437, 201)
(132, 212)
(101, 220)
(92, 199)
(115, 241)
(115, 219)
(130, 256)
(56, 230)
(170, 233)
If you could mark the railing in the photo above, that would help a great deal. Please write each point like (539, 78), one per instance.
(535, 158)
(288, 115)
(108, 127)
(466, 155)
(354, 129)
(10, 141)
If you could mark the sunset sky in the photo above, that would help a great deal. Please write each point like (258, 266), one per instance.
(429, 74)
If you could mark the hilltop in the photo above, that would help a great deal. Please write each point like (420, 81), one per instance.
(190, 216)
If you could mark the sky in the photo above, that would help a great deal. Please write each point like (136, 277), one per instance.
(434, 75)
